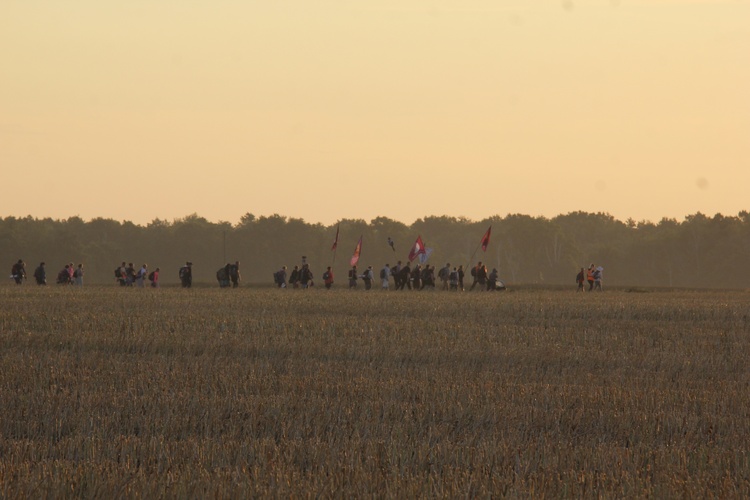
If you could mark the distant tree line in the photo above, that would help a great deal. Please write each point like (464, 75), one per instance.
(700, 251)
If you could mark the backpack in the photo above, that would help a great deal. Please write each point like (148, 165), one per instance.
(473, 271)
(326, 275)
(383, 275)
(183, 272)
(151, 276)
(118, 274)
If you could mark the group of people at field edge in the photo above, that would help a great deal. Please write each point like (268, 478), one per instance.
(127, 275)
(418, 277)
(404, 276)
(229, 275)
(68, 275)
(593, 275)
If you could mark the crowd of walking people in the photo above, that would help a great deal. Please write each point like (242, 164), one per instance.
(404, 276)
(68, 275)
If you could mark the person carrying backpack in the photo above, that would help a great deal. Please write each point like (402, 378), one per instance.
(444, 275)
(279, 277)
(475, 275)
(18, 272)
(367, 277)
(63, 277)
(294, 277)
(140, 277)
(120, 274)
(396, 273)
(186, 275)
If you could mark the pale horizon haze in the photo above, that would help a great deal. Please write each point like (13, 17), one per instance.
(332, 109)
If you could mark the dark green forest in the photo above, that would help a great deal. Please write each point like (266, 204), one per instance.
(701, 251)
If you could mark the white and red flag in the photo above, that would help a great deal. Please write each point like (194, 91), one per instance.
(417, 249)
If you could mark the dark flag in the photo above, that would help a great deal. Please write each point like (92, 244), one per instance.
(486, 239)
(336, 240)
(357, 251)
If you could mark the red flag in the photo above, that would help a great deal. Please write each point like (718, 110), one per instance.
(357, 251)
(417, 249)
(486, 239)
(336, 241)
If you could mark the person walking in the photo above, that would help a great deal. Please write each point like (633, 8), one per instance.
(234, 274)
(328, 278)
(581, 279)
(78, 275)
(453, 280)
(367, 277)
(130, 275)
(140, 277)
(385, 274)
(403, 277)
(186, 275)
(40, 274)
(279, 277)
(396, 273)
(305, 276)
(121, 274)
(598, 278)
(153, 277)
(18, 272)
(444, 274)
(475, 275)
(428, 277)
(590, 277)
(492, 280)
(416, 277)
(63, 277)
(353, 277)
(461, 277)
(294, 277)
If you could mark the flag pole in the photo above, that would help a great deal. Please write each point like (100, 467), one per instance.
(471, 260)
(335, 244)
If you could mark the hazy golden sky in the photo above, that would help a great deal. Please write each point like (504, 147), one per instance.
(352, 109)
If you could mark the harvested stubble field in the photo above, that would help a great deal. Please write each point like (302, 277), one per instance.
(228, 393)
